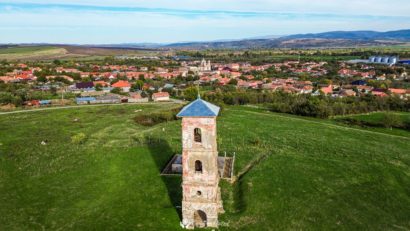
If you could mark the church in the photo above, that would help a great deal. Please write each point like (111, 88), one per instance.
(205, 66)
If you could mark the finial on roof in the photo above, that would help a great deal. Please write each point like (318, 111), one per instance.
(197, 87)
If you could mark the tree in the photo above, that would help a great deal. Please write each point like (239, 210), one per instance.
(144, 94)
(233, 82)
(138, 85)
(191, 93)
(391, 120)
(6, 98)
(116, 90)
(53, 91)
(98, 87)
(42, 79)
(57, 62)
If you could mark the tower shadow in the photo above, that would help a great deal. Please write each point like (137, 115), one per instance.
(161, 152)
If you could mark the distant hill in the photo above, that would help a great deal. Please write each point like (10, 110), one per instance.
(333, 39)
(356, 35)
(327, 39)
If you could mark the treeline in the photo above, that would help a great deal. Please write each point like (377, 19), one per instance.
(307, 105)
(18, 93)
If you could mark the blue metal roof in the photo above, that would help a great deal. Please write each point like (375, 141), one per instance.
(404, 61)
(45, 101)
(199, 108)
(85, 99)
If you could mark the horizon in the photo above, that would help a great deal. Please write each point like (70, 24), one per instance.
(163, 22)
(180, 42)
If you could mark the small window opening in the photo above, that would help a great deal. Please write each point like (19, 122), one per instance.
(197, 135)
(198, 166)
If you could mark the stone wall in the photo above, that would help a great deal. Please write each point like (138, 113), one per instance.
(200, 188)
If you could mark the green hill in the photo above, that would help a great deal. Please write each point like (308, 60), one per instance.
(292, 173)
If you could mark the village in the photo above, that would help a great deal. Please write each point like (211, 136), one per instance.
(204, 115)
(85, 83)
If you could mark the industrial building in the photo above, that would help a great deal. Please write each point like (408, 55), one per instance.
(389, 60)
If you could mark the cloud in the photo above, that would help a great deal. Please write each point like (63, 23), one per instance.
(367, 7)
(120, 21)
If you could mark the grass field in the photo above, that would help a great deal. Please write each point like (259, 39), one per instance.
(292, 173)
(374, 122)
(377, 117)
(31, 53)
(66, 52)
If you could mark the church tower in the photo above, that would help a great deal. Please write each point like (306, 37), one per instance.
(201, 200)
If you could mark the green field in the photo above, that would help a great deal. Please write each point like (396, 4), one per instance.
(31, 52)
(293, 173)
(377, 117)
(28, 49)
(375, 122)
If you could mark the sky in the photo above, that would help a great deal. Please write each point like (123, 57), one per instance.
(166, 21)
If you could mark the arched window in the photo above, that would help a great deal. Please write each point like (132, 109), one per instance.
(197, 135)
(198, 166)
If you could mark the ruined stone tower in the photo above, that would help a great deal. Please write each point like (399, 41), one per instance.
(201, 200)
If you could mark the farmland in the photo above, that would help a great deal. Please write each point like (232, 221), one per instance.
(31, 52)
(292, 173)
(64, 52)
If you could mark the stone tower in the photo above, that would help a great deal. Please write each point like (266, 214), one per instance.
(201, 200)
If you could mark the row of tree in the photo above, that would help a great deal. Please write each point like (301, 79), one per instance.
(306, 105)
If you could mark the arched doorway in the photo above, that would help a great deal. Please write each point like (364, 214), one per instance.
(200, 219)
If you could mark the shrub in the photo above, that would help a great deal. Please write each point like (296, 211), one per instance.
(391, 120)
(157, 117)
(78, 138)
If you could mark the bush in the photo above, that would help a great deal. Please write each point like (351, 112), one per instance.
(78, 138)
(391, 120)
(157, 117)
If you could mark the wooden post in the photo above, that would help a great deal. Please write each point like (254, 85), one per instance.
(233, 161)
(223, 169)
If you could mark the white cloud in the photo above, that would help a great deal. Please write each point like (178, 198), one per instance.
(59, 25)
(363, 7)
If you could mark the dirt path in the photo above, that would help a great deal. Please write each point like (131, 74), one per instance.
(83, 106)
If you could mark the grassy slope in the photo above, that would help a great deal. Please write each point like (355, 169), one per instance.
(376, 118)
(319, 176)
(31, 53)
(312, 175)
(27, 49)
(66, 53)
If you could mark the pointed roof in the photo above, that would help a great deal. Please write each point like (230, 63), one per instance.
(199, 108)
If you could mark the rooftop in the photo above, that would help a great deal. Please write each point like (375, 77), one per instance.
(199, 108)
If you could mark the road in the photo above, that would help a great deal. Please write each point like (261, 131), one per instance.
(87, 105)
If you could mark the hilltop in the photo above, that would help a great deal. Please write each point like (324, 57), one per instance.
(291, 172)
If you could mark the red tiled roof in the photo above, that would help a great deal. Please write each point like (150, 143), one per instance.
(160, 94)
(122, 83)
(327, 90)
(397, 91)
(379, 93)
